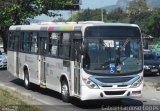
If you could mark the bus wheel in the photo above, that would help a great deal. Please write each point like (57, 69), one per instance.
(26, 80)
(65, 91)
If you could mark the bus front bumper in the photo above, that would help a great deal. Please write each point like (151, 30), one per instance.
(110, 93)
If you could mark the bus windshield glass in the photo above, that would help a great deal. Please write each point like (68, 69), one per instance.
(119, 55)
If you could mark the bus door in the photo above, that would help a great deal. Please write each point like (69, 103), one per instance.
(77, 65)
(41, 61)
(17, 37)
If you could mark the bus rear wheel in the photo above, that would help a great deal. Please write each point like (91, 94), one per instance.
(26, 79)
(65, 91)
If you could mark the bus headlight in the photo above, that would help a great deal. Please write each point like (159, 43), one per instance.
(146, 67)
(90, 84)
(137, 83)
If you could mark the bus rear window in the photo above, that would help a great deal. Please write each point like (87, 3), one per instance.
(112, 31)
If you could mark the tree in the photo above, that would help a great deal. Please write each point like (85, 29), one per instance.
(88, 15)
(153, 24)
(17, 11)
(117, 15)
(139, 13)
(136, 7)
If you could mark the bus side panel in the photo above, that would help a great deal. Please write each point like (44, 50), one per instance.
(31, 61)
(53, 67)
(11, 62)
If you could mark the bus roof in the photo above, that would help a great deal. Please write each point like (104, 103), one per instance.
(64, 26)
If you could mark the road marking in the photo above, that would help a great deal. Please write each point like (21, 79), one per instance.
(153, 99)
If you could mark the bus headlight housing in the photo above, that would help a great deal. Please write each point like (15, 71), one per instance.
(137, 83)
(90, 84)
(146, 67)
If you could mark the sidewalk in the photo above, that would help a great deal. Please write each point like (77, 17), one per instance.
(150, 92)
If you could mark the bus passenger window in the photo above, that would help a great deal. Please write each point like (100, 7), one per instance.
(26, 42)
(66, 45)
(43, 39)
(53, 42)
(11, 44)
(60, 48)
(34, 47)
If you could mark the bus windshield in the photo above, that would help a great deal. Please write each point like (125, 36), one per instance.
(112, 56)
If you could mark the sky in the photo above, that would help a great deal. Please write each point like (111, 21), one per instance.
(92, 4)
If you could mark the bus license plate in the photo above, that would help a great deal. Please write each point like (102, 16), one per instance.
(154, 70)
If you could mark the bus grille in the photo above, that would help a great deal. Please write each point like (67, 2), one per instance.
(115, 80)
(114, 92)
(112, 85)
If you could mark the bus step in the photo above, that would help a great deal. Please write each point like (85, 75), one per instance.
(43, 85)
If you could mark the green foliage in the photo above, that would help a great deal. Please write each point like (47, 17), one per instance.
(88, 15)
(117, 15)
(15, 12)
(136, 7)
(157, 85)
(141, 20)
(137, 13)
(147, 19)
(10, 100)
(153, 25)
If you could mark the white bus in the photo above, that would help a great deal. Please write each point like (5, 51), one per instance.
(84, 60)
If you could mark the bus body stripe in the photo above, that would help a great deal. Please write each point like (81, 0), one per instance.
(60, 28)
(50, 28)
(43, 28)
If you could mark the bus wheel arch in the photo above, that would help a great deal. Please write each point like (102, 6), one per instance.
(65, 94)
(26, 77)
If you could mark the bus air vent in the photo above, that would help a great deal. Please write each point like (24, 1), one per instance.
(115, 79)
(114, 92)
(122, 85)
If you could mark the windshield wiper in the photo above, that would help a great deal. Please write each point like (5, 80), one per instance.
(119, 50)
(124, 45)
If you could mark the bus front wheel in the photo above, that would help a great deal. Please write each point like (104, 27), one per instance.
(26, 80)
(65, 91)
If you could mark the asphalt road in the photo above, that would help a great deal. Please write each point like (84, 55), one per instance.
(51, 101)
(153, 78)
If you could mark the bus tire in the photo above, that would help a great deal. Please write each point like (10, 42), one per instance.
(65, 91)
(26, 79)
